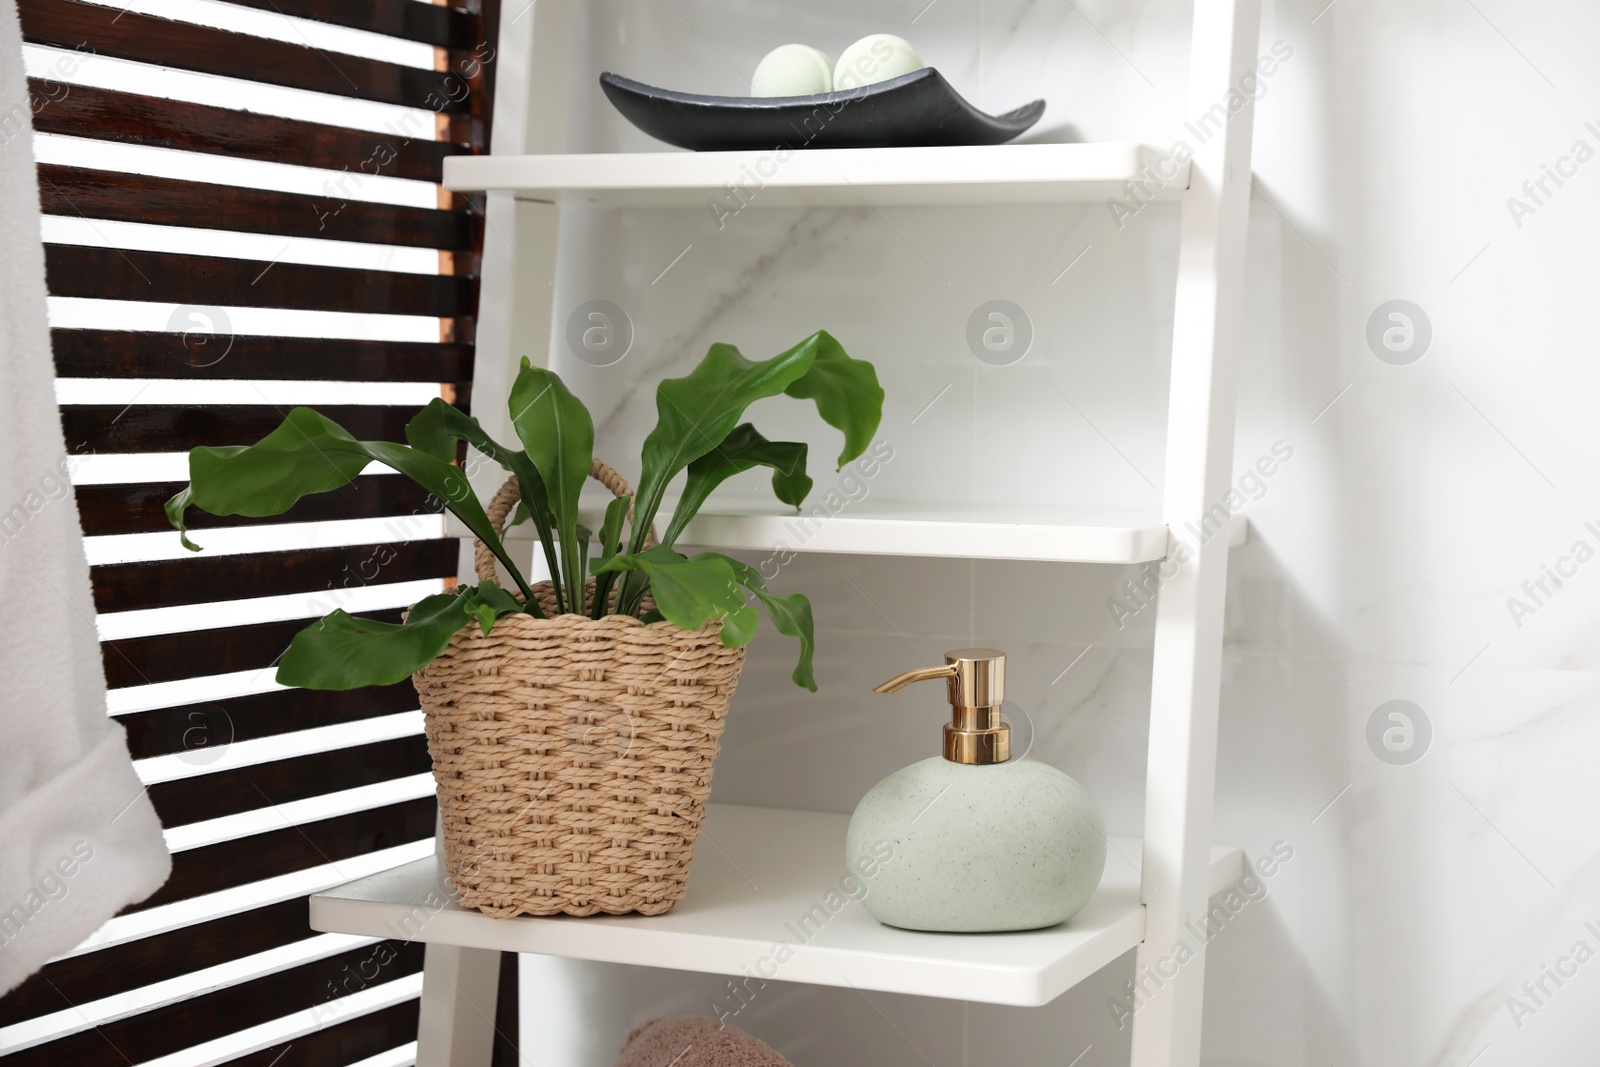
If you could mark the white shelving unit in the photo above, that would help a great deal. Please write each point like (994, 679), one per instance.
(747, 895)
(723, 923)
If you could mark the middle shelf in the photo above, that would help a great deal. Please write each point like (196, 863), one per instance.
(768, 877)
(977, 531)
(1060, 535)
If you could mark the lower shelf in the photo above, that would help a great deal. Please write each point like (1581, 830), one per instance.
(757, 873)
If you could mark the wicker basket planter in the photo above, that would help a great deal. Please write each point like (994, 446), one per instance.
(573, 756)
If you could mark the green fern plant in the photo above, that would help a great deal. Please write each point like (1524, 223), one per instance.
(698, 433)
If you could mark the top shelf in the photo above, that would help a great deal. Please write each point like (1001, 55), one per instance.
(978, 174)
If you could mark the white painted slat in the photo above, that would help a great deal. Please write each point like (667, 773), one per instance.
(290, 1027)
(404, 1056)
(282, 746)
(297, 812)
(236, 244)
(277, 537)
(95, 313)
(190, 691)
(186, 617)
(105, 72)
(232, 901)
(276, 26)
(241, 391)
(81, 1017)
(67, 151)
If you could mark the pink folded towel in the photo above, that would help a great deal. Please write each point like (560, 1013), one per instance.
(695, 1042)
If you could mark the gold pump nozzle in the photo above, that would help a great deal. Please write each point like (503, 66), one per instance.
(921, 674)
(977, 686)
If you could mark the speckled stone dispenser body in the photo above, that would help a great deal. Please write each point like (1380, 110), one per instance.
(979, 849)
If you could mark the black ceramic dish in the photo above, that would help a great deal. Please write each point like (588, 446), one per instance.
(914, 109)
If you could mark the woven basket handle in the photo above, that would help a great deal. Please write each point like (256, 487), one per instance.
(506, 499)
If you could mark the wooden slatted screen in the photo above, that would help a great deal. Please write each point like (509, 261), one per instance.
(174, 156)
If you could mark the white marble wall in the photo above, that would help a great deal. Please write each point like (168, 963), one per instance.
(1421, 896)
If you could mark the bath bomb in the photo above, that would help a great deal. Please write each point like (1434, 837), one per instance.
(875, 58)
(793, 70)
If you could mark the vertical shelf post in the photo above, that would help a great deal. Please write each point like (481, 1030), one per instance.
(460, 987)
(1187, 674)
(516, 300)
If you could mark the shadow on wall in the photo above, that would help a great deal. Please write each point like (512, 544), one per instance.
(1284, 783)
(1257, 981)
(882, 1029)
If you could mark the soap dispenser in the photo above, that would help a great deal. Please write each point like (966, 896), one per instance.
(973, 841)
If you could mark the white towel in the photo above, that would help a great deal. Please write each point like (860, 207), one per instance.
(79, 840)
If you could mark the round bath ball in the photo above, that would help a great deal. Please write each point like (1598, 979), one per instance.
(875, 58)
(793, 70)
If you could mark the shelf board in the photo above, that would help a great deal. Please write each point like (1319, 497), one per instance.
(1051, 535)
(766, 868)
(978, 174)
(887, 529)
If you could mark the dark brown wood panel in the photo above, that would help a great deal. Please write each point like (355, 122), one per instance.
(140, 508)
(294, 848)
(120, 968)
(129, 118)
(202, 353)
(483, 99)
(103, 428)
(194, 654)
(453, 108)
(346, 1042)
(212, 796)
(204, 1018)
(508, 1016)
(122, 34)
(201, 579)
(443, 27)
(170, 278)
(101, 194)
(219, 723)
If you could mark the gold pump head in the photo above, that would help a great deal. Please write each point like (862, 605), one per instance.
(977, 688)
